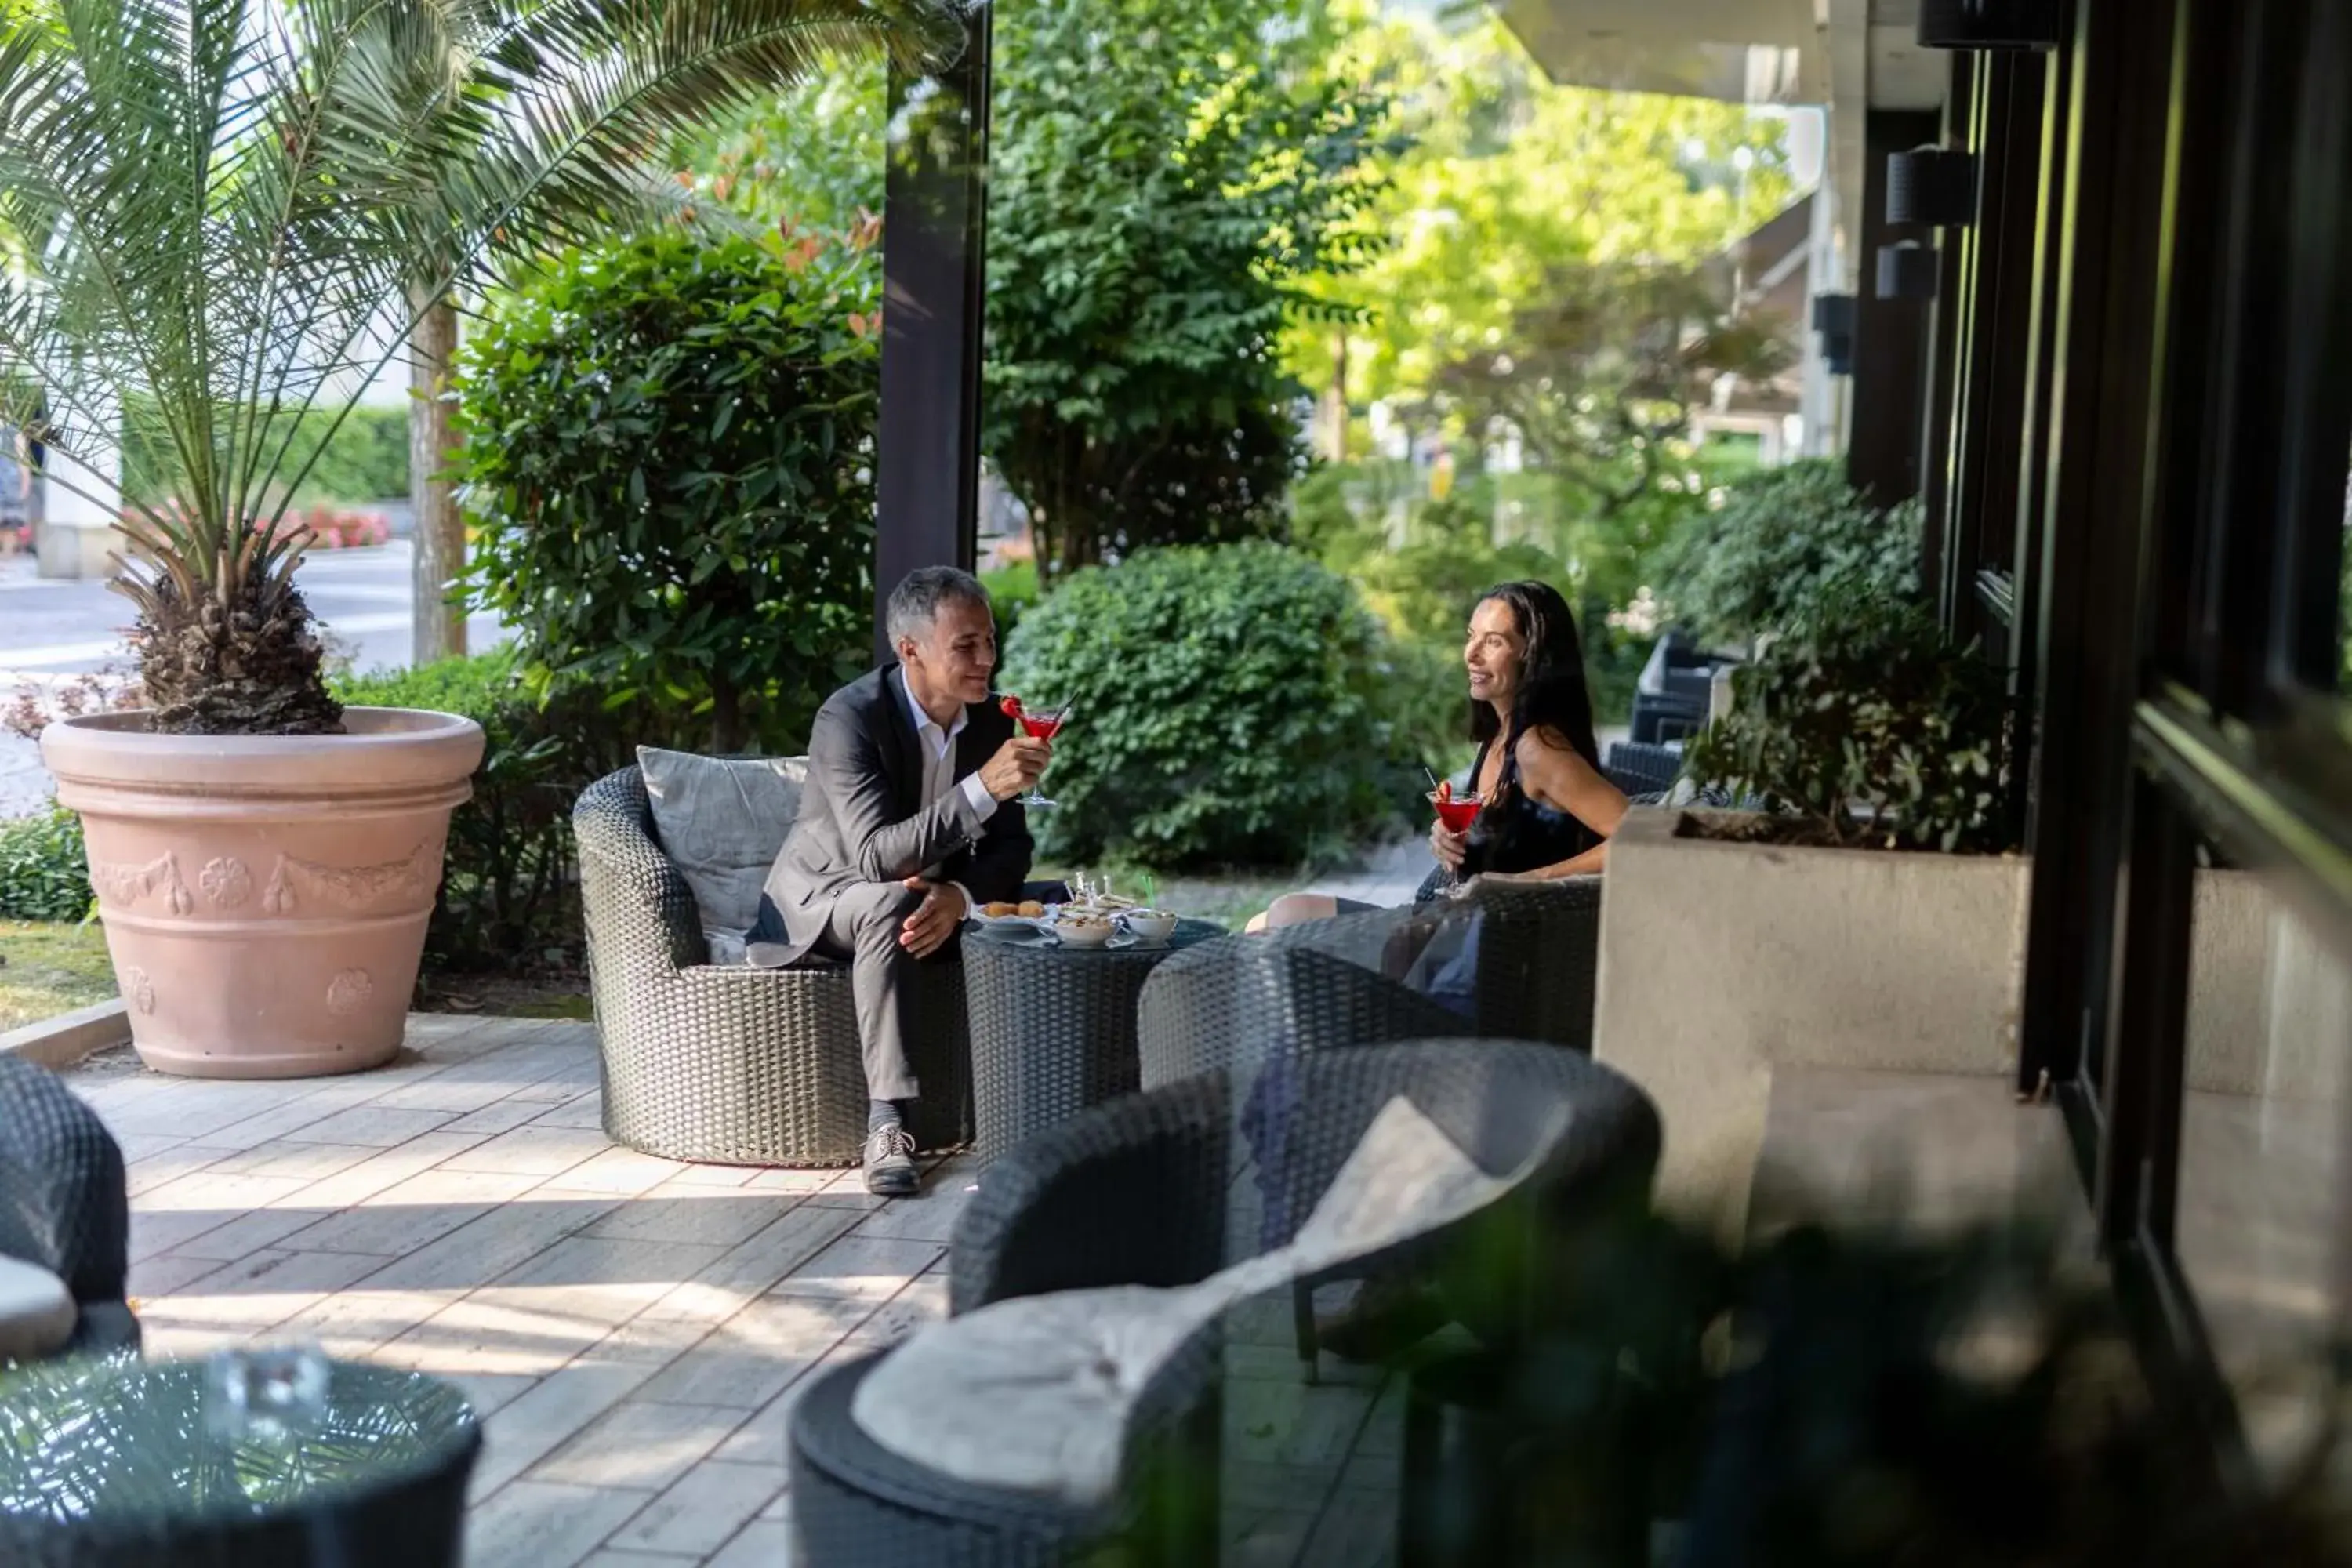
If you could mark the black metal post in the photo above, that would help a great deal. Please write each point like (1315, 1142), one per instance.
(934, 279)
(2088, 632)
(1890, 340)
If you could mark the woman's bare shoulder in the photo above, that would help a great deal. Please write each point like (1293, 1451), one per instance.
(1544, 745)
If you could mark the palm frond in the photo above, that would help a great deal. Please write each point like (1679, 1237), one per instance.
(223, 210)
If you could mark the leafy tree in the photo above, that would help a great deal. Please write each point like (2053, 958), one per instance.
(812, 155)
(1599, 371)
(1168, 181)
(1165, 185)
(671, 443)
(221, 206)
(1507, 180)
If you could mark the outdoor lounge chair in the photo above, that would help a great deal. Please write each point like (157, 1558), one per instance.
(1639, 769)
(1178, 1189)
(1511, 961)
(722, 1062)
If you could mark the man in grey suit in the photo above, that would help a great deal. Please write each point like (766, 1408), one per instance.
(908, 823)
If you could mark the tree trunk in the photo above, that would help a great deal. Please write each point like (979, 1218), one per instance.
(438, 626)
(1334, 410)
(728, 734)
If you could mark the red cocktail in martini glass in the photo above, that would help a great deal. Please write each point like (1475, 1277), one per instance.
(1456, 811)
(1041, 725)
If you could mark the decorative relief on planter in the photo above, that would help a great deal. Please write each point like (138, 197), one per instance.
(348, 992)
(138, 988)
(414, 875)
(225, 882)
(123, 883)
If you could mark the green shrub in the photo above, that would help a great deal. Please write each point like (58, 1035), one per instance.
(1770, 557)
(669, 442)
(366, 458)
(1227, 708)
(43, 873)
(509, 892)
(1872, 706)
(1011, 591)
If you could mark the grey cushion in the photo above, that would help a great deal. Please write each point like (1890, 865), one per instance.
(1035, 1393)
(36, 1311)
(720, 820)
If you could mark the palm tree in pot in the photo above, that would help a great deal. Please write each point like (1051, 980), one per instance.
(224, 214)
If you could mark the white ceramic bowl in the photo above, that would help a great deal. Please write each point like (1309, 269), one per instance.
(1151, 925)
(1083, 934)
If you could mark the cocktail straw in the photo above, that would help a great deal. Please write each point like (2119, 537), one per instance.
(1430, 776)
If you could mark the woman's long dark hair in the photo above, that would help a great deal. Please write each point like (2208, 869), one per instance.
(1551, 693)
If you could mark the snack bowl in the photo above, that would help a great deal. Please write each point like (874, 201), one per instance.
(1151, 925)
(1083, 929)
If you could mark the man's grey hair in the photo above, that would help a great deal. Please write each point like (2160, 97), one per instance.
(915, 602)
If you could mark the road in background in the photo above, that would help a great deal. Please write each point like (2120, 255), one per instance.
(51, 629)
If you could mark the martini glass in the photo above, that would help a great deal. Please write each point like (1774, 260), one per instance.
(1042, 725)
(1457, 812)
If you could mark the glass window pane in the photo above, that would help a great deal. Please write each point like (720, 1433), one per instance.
(2343, 599)
(2265, 1163)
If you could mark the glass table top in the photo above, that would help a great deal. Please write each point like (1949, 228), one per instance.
(118, 1439)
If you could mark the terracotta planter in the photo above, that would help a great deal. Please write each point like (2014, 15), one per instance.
(265, 897)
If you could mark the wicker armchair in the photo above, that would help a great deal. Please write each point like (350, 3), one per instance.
(724, 1063)
(1168, 1186)
(1521, 958)
(1639, 769)
(64, 1203)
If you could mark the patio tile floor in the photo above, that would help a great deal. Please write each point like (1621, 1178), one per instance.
(634, 1330)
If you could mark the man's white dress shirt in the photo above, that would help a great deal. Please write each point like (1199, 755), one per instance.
(939, 771)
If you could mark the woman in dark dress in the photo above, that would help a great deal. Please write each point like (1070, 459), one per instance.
(1549, 809)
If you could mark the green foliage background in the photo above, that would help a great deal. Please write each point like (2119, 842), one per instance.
(43, 873)
(508, 892)
(1228, 708)
(669, 445)
(365, 459)
(1786, 542)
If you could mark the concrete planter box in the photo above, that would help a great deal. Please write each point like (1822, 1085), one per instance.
(1721, 962)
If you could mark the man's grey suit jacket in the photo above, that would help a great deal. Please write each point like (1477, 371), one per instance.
(860, 820)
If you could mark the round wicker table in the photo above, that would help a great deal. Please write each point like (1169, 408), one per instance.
(1053, 1028)
(118, 1463)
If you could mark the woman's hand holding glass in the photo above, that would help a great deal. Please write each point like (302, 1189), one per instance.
(1448, 846)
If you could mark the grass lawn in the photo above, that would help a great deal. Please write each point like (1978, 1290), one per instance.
(48, 968)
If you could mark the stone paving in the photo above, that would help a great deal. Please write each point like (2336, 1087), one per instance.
(634, 1330)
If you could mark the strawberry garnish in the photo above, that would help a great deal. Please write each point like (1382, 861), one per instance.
(1009, 706)
(1445, 789)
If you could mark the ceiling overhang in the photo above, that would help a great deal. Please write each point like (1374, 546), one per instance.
(1740, 51)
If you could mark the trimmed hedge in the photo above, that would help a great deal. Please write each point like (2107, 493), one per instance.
(671, 446)
(1228, 709)
(1786, 544)
(366, 458)
(43, 873)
